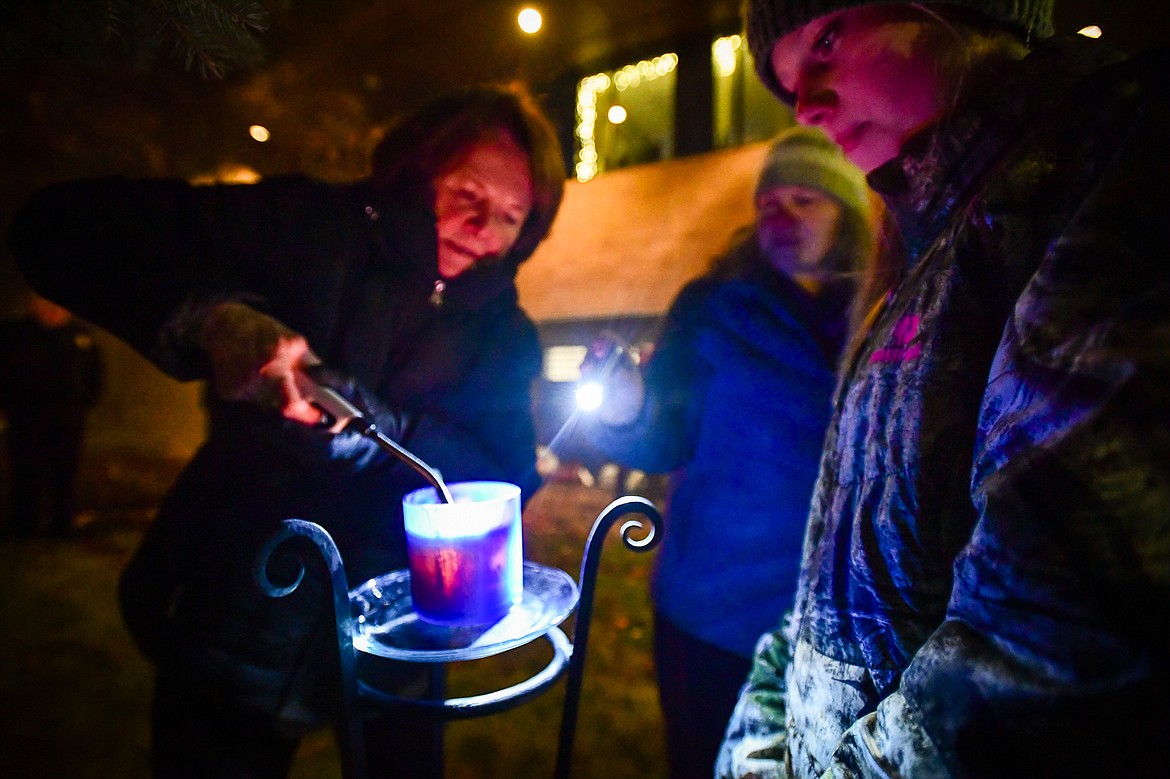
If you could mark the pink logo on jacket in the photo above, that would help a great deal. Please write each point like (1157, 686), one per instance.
(899, 348)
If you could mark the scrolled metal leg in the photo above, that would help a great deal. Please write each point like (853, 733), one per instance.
(589, 565)
(352, 743)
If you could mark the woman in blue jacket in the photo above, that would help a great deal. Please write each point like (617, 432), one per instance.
(733, 402)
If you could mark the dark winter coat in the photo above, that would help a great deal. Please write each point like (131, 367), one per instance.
(45, 370)
(353, 270)
(987, 564)
(738, 392)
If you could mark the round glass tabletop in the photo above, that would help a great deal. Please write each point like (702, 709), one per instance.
(385, 623)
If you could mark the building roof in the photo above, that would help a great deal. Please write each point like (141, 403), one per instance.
(625, 242)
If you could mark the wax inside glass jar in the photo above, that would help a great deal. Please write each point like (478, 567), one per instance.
(466, 558)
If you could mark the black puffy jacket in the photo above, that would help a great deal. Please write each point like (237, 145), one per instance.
(447, 374)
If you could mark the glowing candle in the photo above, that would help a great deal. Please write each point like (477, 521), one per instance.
(466, 557)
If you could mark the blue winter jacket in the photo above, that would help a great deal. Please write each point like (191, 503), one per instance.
(737, 400)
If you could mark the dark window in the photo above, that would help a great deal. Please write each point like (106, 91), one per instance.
(743, 110)
(625, 116)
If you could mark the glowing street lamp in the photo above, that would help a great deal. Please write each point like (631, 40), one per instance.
(259, 133)
(529, 20)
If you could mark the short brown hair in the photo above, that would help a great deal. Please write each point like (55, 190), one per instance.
(418, 147)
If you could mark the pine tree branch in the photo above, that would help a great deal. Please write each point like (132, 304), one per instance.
(212, 36)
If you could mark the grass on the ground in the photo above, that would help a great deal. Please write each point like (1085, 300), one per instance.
(76, 692)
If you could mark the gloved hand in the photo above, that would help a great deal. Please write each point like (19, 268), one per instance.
(612, 363)
(253, 357)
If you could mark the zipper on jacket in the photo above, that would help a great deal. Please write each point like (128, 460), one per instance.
(436, 298)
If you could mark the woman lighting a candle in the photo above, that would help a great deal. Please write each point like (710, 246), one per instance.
(403, 285)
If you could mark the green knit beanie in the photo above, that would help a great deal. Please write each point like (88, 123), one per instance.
(806, 157)
(767, 21)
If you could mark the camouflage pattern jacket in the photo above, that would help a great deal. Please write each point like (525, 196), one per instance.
(986, 568)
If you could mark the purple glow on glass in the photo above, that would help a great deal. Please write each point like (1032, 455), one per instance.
(466, 558)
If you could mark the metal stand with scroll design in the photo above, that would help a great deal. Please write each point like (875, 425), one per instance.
(360, 700)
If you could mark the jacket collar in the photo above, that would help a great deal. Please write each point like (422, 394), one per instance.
(404, 229)
(941, 167)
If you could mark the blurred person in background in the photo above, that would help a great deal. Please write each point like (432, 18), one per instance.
(733, 403)
(986, 573)
(399, 292)
(51, 375)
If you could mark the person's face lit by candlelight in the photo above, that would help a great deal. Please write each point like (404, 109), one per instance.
(870, 77)
(481, 203)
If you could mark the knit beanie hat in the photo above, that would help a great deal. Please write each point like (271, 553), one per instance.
(767, 21)
(806, 157)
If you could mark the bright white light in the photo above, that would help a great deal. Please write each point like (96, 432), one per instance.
(259, 132)
(616, 114)
(529, 20)
(723, 52)
(1092, 31)
(587, 90)
(589, 396)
